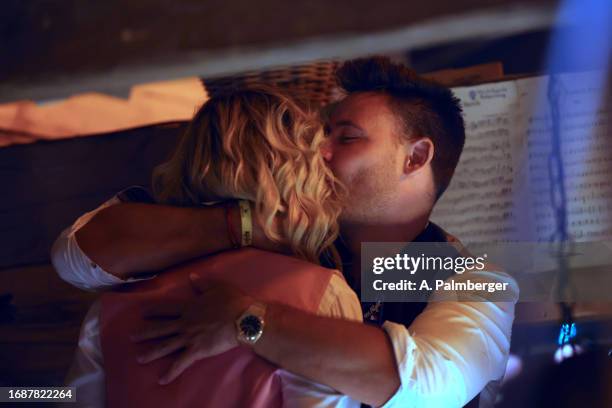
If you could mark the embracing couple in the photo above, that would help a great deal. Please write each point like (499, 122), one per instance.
(243, 262)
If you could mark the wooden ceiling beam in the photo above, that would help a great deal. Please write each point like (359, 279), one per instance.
(90, 55)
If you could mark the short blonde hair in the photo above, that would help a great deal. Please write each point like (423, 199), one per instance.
(260, 145)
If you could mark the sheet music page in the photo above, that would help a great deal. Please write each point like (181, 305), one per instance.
(501, 188)
(587, 154)
(479, 204)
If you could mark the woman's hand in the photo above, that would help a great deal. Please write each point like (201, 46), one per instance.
(200, 328)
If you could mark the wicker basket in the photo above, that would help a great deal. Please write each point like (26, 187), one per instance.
(313, 83)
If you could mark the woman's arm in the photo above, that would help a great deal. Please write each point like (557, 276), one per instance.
(133, 238)
(120, 242)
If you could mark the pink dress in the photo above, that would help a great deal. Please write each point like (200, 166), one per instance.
(236, 378)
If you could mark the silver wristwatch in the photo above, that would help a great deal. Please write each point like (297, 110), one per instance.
(250, 324)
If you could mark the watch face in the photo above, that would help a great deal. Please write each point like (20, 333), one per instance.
(251, 327)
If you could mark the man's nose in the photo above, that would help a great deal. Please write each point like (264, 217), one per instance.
(326, 150)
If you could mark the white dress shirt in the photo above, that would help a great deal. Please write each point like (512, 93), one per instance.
(450, 353)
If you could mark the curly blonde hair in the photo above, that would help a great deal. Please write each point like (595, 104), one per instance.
(260, 145)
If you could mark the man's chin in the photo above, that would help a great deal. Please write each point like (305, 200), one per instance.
(352, 217)
(344, 219)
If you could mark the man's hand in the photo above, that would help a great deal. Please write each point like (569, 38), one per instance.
(200, 328)
(354, 358)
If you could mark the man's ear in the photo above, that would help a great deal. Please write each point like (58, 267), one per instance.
(419, 154)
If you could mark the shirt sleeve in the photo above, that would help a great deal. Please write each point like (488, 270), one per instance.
(74, 266)
(338, 301)
(86, 373)
(453, 349)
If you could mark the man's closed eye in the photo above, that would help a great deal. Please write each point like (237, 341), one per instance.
(348, 139)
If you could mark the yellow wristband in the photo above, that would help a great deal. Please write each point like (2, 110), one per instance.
(246, 221)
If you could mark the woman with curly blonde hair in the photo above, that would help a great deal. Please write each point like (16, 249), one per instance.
(260, 146)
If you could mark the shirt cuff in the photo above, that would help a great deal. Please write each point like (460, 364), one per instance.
(403, 349)
(76, 268)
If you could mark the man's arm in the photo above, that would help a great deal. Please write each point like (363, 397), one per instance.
(453, 349)
(356, 359)
(339, 301)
